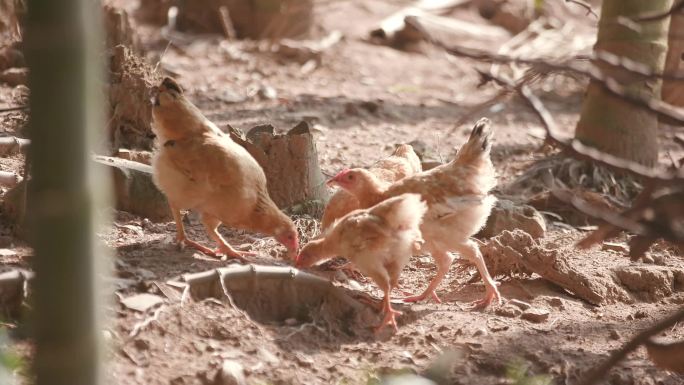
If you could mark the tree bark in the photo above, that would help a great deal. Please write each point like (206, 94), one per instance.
(607, 122)
(673, 90)
(62, 47)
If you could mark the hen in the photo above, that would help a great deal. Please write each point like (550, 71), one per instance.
(459, 202)
(379, 241)
(402, 163)
(199, 168)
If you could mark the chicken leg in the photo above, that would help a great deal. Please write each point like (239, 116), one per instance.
(211, 224)
(471, 251)
(181, 237)
(443, 261)
(390, 313)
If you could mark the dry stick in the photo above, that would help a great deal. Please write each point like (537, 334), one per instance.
(634, 343)
(574, 146)
(658, 16)
(584, 5)
(16, 108)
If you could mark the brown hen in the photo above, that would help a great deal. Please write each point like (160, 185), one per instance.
(199, 168)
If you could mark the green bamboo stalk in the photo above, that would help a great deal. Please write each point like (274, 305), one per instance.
(62, 44)
(607, 122)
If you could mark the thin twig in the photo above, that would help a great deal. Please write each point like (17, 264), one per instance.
(580, 150)
(592, 72)
(584, 5)
(15, 108)
(659, 16)
(597, 373)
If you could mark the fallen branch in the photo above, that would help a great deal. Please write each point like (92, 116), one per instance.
(10, 145)
(592, 72)
(16, 108)
(9, 179)
(580, 150)
(597, 373)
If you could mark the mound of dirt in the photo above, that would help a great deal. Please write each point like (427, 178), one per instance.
(131, 82)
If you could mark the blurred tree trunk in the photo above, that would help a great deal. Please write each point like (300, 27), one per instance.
(62, 42)
(607, 122)
(673, 90)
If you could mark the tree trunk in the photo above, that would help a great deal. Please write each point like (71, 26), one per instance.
(673, 90)
(62, 46)
(607, 122)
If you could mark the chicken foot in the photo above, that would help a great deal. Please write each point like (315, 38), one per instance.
(471, 251)
(443, 261)
(211, 224)
(390, 313)
(181, 237)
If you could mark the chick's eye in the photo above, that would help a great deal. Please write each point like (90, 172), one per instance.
(350, 177)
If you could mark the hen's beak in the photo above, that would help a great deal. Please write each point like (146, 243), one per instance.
(332, 182)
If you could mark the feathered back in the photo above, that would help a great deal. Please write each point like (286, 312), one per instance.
(175, 117)
(403, 212)
(478, 145)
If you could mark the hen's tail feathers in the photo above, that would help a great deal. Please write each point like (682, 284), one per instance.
(404, 212)
(479, 144)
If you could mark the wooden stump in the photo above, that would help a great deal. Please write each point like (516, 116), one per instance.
(119, 30)
(290, 162)
(154, 11)
(255, 19)
(131, 82)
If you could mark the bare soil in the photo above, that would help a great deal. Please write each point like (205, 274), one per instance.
(362, 100)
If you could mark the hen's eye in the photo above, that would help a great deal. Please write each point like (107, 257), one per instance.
(350, 177)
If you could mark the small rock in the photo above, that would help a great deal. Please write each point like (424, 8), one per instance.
(304, 360)
(141, 344)
(291, 322)
(267, 92)
(231, 373)
(508, 311)
(521, 304)
(510, 216)
(142, 302)
(266, 356)
(614, 334)
(640, 314)
(481, 332)
(556, 302)
(613, 246)
(535, 315)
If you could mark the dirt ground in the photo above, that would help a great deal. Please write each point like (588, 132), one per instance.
(362, 100)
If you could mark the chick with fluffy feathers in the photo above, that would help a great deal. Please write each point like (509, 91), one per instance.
(402, 163)
(378, 240)
(199, 168)
(459, 202)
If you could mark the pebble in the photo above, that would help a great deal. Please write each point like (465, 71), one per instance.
(535, 315)
(231, 373)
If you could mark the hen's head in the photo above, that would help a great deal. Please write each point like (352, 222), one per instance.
(168, 92)
(287, 235)
(354, 180)
(311, 253)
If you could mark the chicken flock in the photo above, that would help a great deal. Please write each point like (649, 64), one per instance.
(377, 219)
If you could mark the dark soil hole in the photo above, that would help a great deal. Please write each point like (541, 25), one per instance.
(283, 296)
